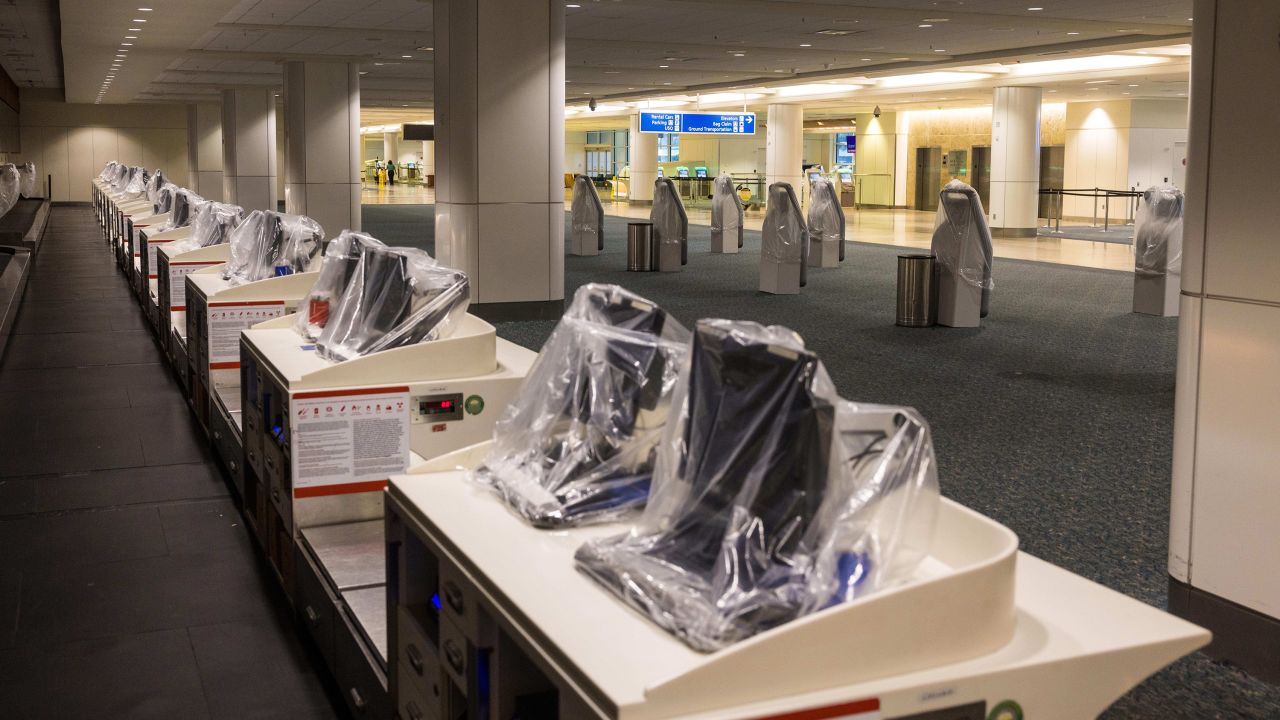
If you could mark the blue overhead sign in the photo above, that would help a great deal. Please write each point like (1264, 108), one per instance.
(705, 123)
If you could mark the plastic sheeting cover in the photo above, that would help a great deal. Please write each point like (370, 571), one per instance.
(108, 170)
(962, 238)
(181, 210)
(826, 218)
(670, 222)
(579, 443)
(336, 269)
(784, 237)
(586, 210)
(1157, 233)
(9, 187)
(772, 497)
(270, 244)
(213, 224)
(157, 181)
(396, 297)
(120, 177)
(726, 210)
(164, 199)
(27, 179)
(137, 184)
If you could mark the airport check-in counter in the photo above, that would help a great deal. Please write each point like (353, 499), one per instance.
(491, 612)
(320, 439)
(171, 293)
(216, 313)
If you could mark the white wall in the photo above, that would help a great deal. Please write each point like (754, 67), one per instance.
(575, 152)
(1121, 144)
(74, 141)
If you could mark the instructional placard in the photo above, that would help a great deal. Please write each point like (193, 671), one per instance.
(344, 438)
(178, 271)
(226, 320)
(153, 248)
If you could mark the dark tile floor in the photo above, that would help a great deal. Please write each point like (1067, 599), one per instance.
(128, 585)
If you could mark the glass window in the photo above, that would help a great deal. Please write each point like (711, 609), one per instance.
(668, 147)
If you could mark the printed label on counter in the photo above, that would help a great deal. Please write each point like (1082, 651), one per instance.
(153, 247)
(178, 283)
(348, 441)
(227, 320)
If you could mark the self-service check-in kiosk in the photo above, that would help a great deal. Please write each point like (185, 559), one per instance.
(784, 243)
(1157, 244)
(266, 276)
(150, 239)
(726, 217)
(670, 226)
(826, 224)
(962, 246)
(586, 215)
(205, 248)
(685, 612)
(397, 373)
(847, 196)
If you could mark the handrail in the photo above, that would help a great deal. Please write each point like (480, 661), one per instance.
(1135, 198)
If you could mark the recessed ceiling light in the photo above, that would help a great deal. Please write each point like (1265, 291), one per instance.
(1133, 86)
(665, 83)
(144, 9)
(936, 50)
(137, 20)
(364, 72)
(1035, 9)
(936, 20)
(573, 5)
(426, 49)
(1093, 88)
(130, 37)
(739, 54)
(664, 66)
(1126, 93)
(126, 44)
(135, 29)
(1073, 33)
(925, 25)
(806, 44)
(866, 59)
(407, 57)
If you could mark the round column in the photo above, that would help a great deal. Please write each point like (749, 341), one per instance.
(784, 154)
(1015, 162)
(391, 147)
(644, 163)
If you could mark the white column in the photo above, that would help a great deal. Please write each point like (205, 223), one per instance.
(249, 148)
(1224, 538)
(322, 143)
(784, 154)
(644, 163)
(428, 158)
(204, 150)
(499, 214)
(1015, 162)
(391, 147)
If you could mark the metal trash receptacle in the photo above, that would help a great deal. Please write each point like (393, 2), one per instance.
(916, 302)
(640, 256)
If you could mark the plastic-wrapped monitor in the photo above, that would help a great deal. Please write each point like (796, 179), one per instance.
(271, 244)
(579, 444)
(341, 257)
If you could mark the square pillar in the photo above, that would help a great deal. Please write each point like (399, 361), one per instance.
(500, 214)
(204, 150)
(249, 148)
(322, 143)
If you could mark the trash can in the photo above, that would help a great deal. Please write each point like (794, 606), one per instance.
(640, 255)
(916, 306)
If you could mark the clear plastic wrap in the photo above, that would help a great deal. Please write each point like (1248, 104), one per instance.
(164, 199)
(270, 244)
(579, 443)
(826, 217)
(772, 497)
(962, 239)
(726, 213)
(9, 187)
(784, 238)
(108, 171)
(1157, 232)
(181, 210)
(587, 214)
(157, 181)
(137, 184)
(670, 222)
(337, 266)
(213, 224)
(124, 174)
(396, 297)
(27, 179)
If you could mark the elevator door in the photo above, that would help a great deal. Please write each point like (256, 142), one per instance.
(928, 177)
(981, 174)
(1053, 159)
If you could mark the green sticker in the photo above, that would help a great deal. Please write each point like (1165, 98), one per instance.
(1007, 710)
(474, 405)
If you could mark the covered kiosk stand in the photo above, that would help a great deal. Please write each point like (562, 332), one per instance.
(726, 216)
(670, 226)
(587, 215)
(962, 246)
(826, 224)
(784, 243)
(1157, 246)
